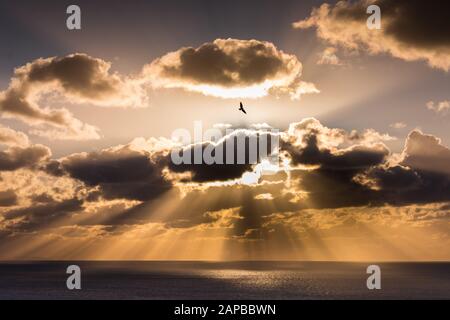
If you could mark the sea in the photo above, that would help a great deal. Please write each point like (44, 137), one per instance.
(194, 280)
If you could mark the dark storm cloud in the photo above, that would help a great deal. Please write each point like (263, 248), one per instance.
(121, 173)
(411, 29)
(16, 157)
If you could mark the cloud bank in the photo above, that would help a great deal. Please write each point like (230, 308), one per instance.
(329, 181)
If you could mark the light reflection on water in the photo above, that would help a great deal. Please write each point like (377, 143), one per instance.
(221, 280)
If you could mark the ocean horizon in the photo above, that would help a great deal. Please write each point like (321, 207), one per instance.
(208, 280)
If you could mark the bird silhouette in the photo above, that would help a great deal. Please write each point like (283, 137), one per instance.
(241, 108)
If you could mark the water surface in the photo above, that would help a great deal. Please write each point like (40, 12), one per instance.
(223, 280)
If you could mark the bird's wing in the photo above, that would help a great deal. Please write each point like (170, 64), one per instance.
(241, 106)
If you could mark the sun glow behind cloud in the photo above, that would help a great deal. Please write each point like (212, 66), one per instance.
(258, 225)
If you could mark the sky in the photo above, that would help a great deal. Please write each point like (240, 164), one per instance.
(87, 118)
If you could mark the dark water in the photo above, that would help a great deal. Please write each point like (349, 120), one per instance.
(230, 280)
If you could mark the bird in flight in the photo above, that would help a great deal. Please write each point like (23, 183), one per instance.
(241, 108)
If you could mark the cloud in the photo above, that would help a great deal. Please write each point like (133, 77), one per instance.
(12, 137)
(352, 169)
(331, 137)
(328, 168)
(8, 198)
(36, 216)
(421, 176)
(355, 157)
(230, 68)
(398, 125)
(328, 56)
(228, 164)
(222, 126)
(441, 108)
(119, 172)
(15, 158)
(325, 162)
(337, 182)
(42, 198)
(78, 78)
(264, 196)
(261, 126)
(425, 152)
(410, 30)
